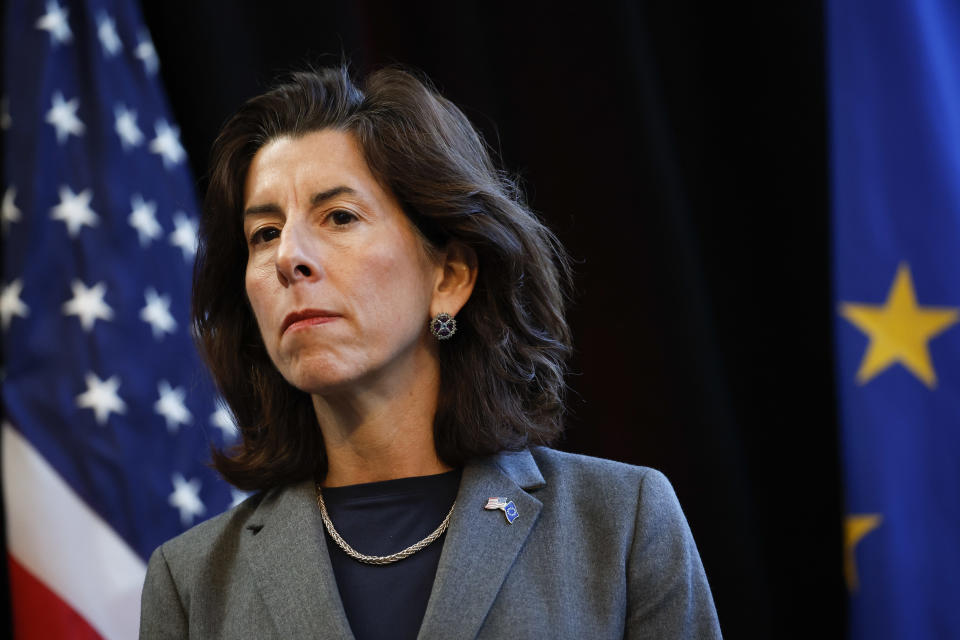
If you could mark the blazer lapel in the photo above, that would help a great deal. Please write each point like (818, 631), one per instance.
(481, 546)
(287, 552)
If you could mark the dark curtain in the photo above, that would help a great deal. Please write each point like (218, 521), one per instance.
(679, 150)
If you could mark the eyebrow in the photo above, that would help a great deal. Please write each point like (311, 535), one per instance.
(315, 200)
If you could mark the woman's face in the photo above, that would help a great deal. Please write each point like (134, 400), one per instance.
(339, 281)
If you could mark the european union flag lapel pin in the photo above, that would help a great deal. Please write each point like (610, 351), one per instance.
(509, 509)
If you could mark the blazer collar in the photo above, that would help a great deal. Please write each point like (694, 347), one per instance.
(481, 545)
(521, 468)
(286, 548)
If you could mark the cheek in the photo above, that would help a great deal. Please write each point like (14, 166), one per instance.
(404, 280)
(259, 294)
(391, 291)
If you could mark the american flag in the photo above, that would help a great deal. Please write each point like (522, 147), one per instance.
(495, 503)
(108, 415)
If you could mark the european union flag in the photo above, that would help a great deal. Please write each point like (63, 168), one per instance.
(895, 116)
(107, 412)
(510, 510)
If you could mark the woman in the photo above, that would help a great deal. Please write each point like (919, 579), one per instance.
(384, 316)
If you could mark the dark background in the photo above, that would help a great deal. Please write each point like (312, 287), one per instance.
(679, 150)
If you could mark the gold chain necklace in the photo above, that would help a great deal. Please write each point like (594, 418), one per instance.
(378, 560)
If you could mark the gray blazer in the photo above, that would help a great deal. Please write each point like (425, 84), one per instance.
(600, 550)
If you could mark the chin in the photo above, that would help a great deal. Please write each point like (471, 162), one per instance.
(319, 376)
(323, 387)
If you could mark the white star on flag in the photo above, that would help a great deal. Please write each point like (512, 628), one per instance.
(87, 304)
(184, 234)
(186, 498)
(125, 124)
(143, 218)
(63, 117)
(9, 212)
(55, 21)
(171, 407)
(157, 314)
(167, 144)
(107, 32)
(222, 420)
(101, 396)
(74, 209)
(147, 54)
(11, 305)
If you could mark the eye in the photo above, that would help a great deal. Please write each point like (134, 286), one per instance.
(264, 234)
(342, 217)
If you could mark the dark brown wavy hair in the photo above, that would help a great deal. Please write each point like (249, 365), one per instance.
(502, 375)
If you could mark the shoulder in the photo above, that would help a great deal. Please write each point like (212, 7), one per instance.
(213, 545)
(575, 462)
(593, 474)
(209, 536)
(612, 499)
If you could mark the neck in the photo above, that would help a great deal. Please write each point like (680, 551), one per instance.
(381, 431)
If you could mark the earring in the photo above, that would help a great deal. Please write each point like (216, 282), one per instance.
(443, 326)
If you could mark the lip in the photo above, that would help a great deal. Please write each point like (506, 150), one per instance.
(306, 318)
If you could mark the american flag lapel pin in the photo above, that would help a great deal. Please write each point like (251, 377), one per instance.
(503, 504)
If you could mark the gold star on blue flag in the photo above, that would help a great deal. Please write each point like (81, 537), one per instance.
(899, 330)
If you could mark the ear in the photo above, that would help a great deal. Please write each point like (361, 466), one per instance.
(455, 281)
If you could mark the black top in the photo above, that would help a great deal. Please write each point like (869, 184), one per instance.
(378, 519)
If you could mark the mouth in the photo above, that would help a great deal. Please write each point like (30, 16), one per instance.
(306, 318)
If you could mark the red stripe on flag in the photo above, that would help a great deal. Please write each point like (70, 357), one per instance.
(38, 613)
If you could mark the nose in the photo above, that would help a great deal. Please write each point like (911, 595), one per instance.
(296, 260)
